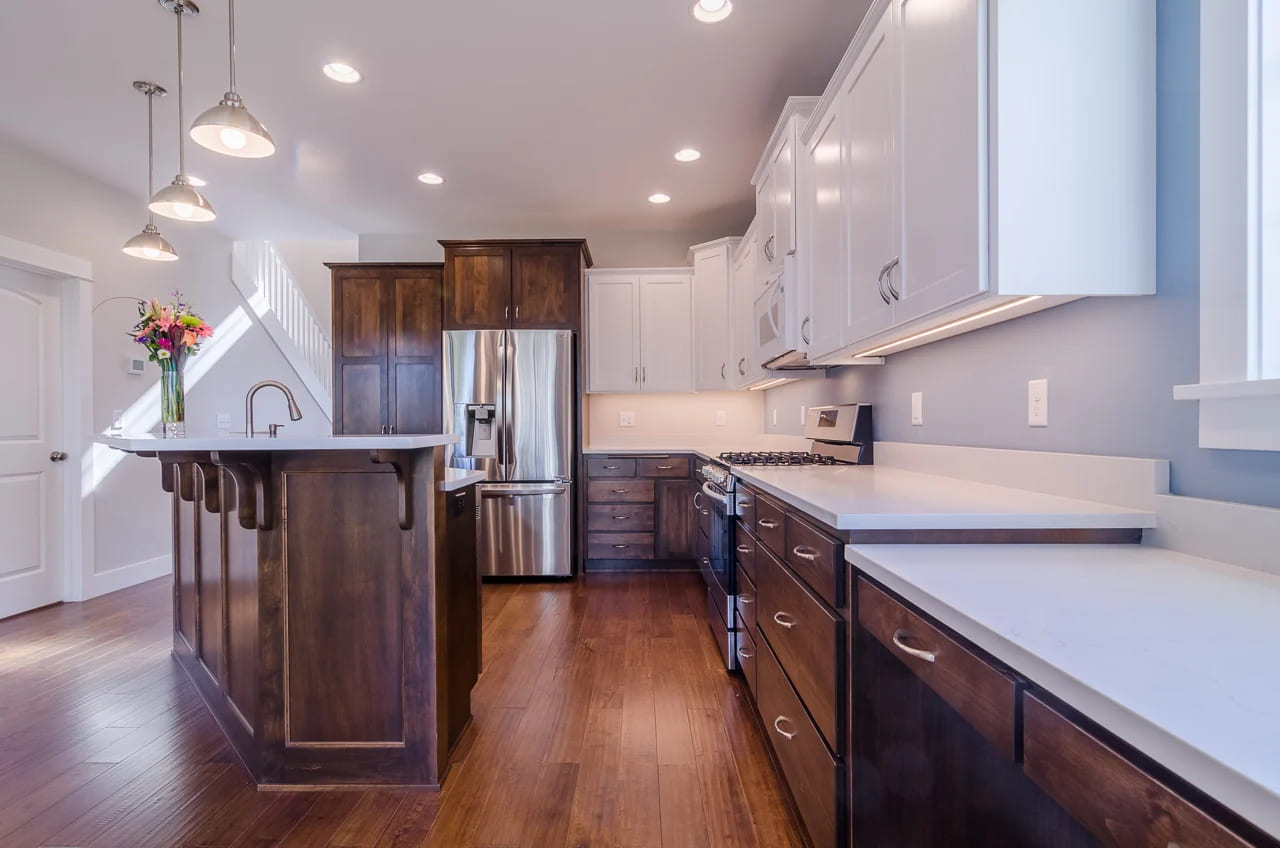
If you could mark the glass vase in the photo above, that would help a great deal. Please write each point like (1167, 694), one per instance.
(173, 400)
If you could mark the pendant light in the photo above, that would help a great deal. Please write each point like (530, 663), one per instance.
(229, 128)
(180, 200)
(149, 244)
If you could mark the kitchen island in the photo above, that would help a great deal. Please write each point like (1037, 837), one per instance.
(326, 601)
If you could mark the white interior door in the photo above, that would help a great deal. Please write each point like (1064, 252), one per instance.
(32, 569)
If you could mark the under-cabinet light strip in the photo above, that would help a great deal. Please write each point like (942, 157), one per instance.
(959, 322)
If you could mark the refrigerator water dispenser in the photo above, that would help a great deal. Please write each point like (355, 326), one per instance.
(482, 430)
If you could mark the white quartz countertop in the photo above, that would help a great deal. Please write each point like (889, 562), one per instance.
(874, 497)
(147, 443)
(459, 478)
(1174, 654)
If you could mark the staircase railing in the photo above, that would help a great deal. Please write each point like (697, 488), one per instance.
(263, 277)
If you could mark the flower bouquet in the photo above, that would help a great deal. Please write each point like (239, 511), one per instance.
(170, 333)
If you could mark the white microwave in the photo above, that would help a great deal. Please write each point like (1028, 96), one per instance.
(778, 332)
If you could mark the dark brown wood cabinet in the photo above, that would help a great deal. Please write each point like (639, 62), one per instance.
(386, 348)
(639, 513)
(528, 284)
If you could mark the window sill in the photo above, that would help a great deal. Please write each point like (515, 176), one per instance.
(1241, 415)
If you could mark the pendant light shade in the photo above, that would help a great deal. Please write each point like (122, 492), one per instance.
(229, 128)
(180, 200)
(149, 244)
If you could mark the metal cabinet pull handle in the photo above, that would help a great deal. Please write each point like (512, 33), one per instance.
(804, 331)
(697, 495)
(784, 619)
(746, 599)
(743, 653)
(805, 553)
(506, 312)
(744, 549)
(888, 278)
(621, 518)
(620, 547)
(880, 285)
(742, 372)
(744, 504)
(612, 467)
(768, 524)
(621, 491)
(517, 311)
(927, 656)
(665, 467)
(722, 364)
(706, 512)
(644, 374)
(777, 721)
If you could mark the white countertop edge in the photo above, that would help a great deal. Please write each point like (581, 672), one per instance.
(150, 443)
(1254, 802)
(459, 478)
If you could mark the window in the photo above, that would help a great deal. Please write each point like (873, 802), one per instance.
(1239, 388)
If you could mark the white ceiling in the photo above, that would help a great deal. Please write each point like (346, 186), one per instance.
(545, 115)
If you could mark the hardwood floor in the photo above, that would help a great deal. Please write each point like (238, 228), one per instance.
(602, 718)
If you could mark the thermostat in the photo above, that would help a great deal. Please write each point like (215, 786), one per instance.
(135, 366)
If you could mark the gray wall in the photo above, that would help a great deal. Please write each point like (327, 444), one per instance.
(1111, 363)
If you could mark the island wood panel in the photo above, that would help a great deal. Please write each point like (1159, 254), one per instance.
(477, 288)
(240, 548)
(209, 569)
(546, 287)
(345, 682)
(185, 552)
(460, 618)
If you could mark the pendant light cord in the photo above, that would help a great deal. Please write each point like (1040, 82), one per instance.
(151, 155)
(182, 122)
(231, 28)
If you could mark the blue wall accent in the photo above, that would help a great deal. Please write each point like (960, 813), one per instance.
(1111, 362)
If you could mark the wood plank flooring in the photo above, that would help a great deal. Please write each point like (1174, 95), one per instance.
(602, 718)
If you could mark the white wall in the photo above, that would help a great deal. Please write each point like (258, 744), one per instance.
(663, 420)
(306, 260)
(50, 205)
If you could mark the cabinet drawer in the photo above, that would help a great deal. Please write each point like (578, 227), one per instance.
(1118, 802)
(611, 466)
(747, 658)
(807, 639)
(745, 554)
(747, 602)
(667, 466)
(770, 525)
(747, 508)
(620, 491)
(983, 694)
(619, 546)
(620, 518)
(817, 558)
(811, 773)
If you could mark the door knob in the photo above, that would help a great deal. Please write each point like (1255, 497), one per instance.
(58, 456)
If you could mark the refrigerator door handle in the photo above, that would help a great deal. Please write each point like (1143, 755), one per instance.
(520, 491)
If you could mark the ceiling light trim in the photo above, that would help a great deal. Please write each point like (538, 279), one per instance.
(712, 11)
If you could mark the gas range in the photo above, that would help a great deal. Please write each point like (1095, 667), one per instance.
(781, 458)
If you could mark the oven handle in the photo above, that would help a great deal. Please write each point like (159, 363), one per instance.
(710, 491)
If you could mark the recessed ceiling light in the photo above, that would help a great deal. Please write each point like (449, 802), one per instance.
(196, 181)
(341, 72)
(659, 197)
(688, 155)
(712, 11)
(430, 178)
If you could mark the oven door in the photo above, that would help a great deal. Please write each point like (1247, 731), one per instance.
(715, 547)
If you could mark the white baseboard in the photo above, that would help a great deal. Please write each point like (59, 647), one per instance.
(125, 576)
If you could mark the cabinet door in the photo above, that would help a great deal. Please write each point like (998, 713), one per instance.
(711, 318)
(414, 350)
(871, 112)
(784, 194)
(477, 288)
(766, 224)
(666, 333)
(613, 333)
(545, 287)
(744, 289)
(943, 155)
(827, 234)
(676, 527)
(360, 389)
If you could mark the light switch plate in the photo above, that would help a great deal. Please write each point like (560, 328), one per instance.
(1038, 403)
(721, 418)
(804, 416)
(775, 416)
(626, 419)
(917, 409)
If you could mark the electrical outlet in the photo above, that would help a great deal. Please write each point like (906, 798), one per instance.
(117, 419)
(224, 421)
(721, 418)
(917, 409)
(626, 419)
(1038, 403)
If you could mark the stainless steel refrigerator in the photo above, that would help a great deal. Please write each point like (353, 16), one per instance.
(509, 395)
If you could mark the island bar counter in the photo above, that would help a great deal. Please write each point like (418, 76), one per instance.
(317, 606)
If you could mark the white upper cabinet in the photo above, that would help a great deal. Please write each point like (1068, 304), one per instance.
(994, 164)
(744, 288)
(784, 194)
(712, 308)
(766, 208)
(666, 333)
(775, 185)
(640, 331)
(613, 332)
